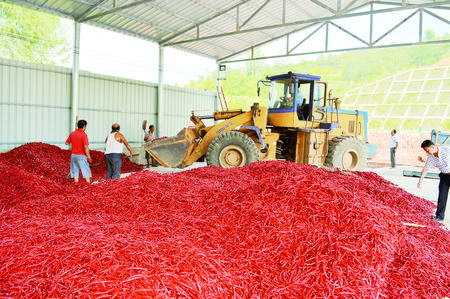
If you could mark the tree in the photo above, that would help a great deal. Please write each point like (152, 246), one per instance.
(28, 35)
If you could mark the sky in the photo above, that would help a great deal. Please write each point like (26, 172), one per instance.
(110, 53)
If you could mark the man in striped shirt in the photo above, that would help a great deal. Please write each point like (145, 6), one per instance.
(439, 157)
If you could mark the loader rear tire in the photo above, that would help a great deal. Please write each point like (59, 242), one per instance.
(232, 149)
(346, 153)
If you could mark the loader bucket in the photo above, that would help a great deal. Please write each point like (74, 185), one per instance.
(170, 152)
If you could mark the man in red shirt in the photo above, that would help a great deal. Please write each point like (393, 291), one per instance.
(81, 157)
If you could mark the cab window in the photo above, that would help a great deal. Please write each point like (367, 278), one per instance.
(319, 95)
(304, 91)
(281, 96)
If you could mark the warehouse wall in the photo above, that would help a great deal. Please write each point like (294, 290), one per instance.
(104, 100)
(35, 105)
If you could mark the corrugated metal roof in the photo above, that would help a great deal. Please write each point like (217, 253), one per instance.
(215, 28)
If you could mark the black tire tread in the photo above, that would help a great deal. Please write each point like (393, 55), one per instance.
(338, 145)
(231, 138)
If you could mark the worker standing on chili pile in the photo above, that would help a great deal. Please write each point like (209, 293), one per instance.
(81, 157)
(439, 157)
(149, 137)
(113, 153)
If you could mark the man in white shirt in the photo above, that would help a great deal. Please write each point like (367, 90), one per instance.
(393, 146)
(439, 157)
(113, 152)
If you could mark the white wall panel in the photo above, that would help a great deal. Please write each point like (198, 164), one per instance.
(35, 105)
(179, 105)
(105, 100)
(34, 101)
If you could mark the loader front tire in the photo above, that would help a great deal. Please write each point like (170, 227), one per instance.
(232, 149)
(346, 153)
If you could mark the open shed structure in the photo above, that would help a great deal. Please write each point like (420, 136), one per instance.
(229, 31)
(223, 30)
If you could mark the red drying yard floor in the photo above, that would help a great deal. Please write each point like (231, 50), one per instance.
(267, 230)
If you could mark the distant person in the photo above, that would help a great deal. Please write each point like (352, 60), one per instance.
(149, 137)
(439, 157)
(113, 152)
(393, 146)
(80, 157)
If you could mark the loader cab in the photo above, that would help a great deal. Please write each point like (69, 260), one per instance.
(295, 99)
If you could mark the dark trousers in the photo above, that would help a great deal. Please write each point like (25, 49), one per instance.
(113, 165)
(444, 184)
(392, 157)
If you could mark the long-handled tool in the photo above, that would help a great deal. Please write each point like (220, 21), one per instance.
(100, 163)
(76, 126)
(144, 126)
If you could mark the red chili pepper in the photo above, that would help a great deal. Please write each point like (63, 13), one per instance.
(267, 230)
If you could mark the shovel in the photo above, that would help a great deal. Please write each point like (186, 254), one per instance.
(100, 163)
(144, 126)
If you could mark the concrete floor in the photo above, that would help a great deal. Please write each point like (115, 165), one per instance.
(429, 189)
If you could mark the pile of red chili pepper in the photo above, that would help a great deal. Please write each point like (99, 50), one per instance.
(267, 230)
(53, 162)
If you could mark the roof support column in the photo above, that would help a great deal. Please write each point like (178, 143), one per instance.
(218, 88)
(75, 77)
(371, 27)
(160, 91)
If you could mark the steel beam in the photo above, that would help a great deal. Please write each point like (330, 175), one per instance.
(306, 38)
(254, 13)
(309, 21)
(323, 5)
(437, 17)
(87, 11)
(420, 25)
(149, 38)
(335, 51)
(371, 26)
(237, 18)
(164, 41)
(396, 26)
(349, 33)
(114, 10)
(262, 43)
(125, 15)
(349, 5)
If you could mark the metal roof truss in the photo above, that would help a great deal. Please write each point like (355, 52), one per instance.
(229, 30)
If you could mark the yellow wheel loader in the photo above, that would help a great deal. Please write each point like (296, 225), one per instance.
(300, 125)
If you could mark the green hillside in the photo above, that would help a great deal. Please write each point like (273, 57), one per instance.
(413, 101)
(343, 72)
